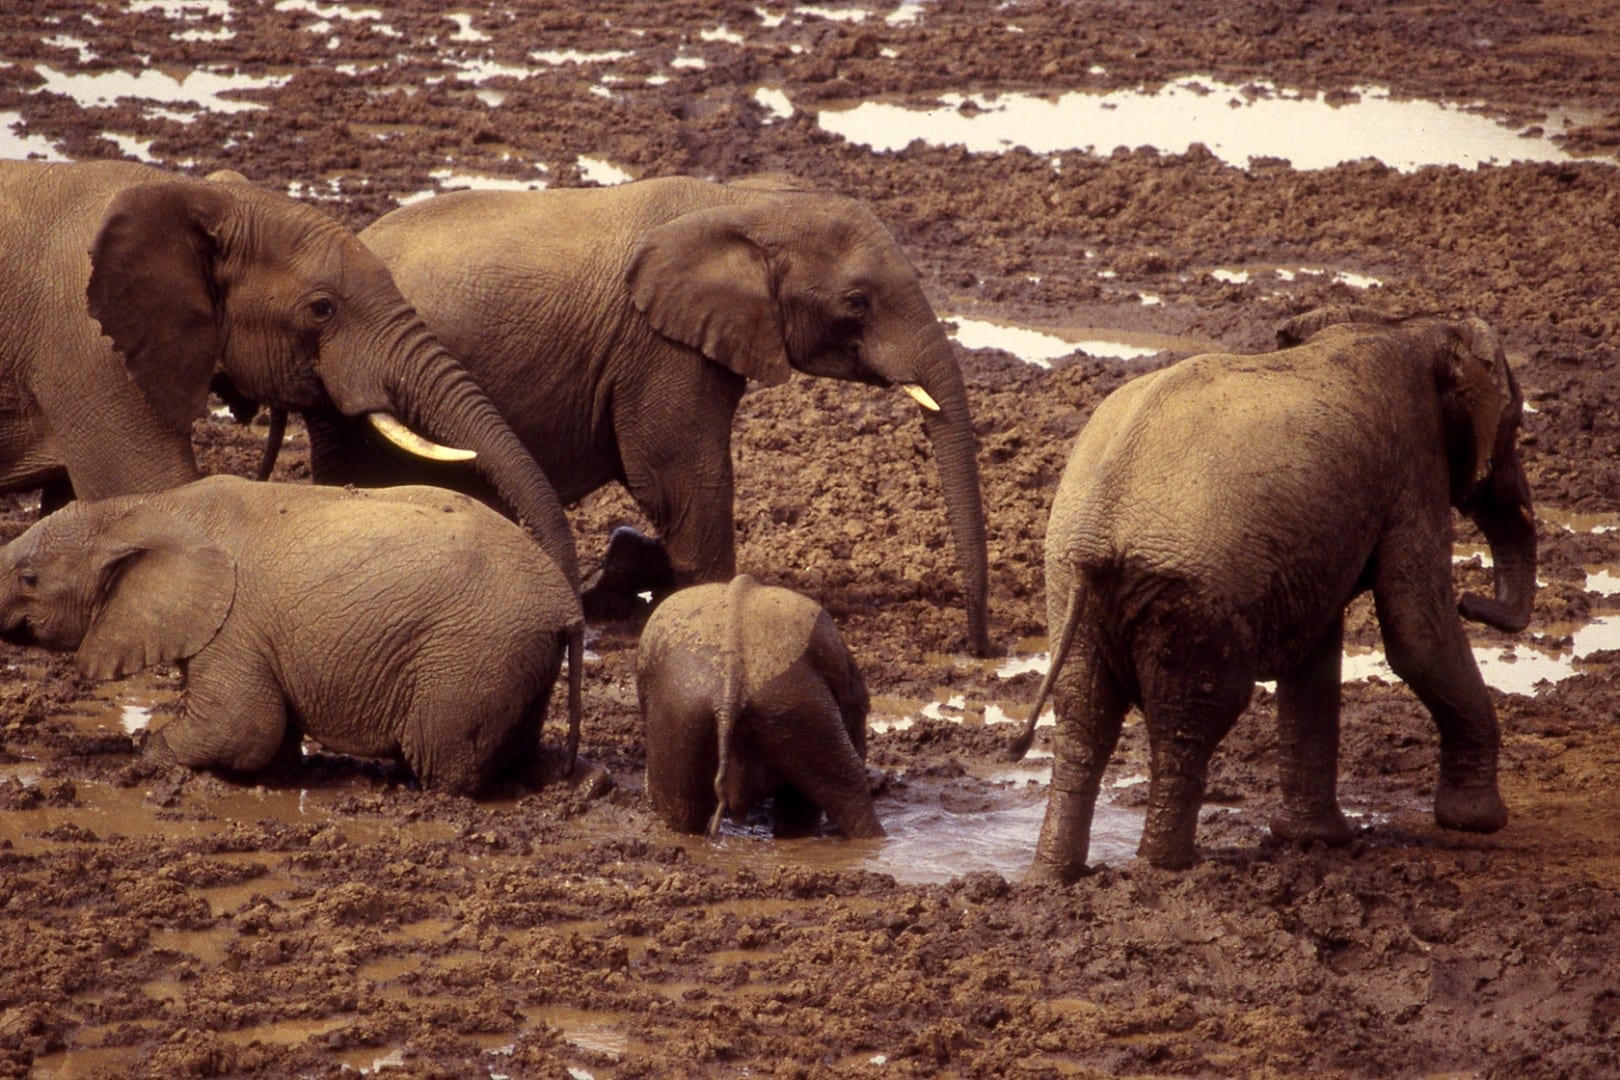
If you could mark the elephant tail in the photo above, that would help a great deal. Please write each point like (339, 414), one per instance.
(730, 703)
(576, 684)
(1019, 746)
(272, 443)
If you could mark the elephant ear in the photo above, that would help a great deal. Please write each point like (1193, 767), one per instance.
(162, 591)
(702, 281)
(152, 289)
(1476, 389)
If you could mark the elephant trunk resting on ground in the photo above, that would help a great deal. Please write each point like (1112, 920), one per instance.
(1212, 523)
(412, 623)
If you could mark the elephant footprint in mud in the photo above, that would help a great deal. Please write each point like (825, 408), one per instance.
(412, 623)
(617, 328)
(1212, 523)
(749, 692)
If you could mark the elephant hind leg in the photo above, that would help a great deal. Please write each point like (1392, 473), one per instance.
(1091, 708)
(1193, 692)
(1308, 745)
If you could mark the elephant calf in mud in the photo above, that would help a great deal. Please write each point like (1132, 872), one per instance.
(412, 623)
(748, 691)
(1212, 523)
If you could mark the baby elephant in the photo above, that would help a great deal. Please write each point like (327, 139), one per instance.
(408, 622)
(748, 691)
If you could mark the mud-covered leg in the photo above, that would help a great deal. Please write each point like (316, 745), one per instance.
(1433, 657)
(1192, 695)
(799, 731)
(235, 719)
(1308, 745)
(1090, 712)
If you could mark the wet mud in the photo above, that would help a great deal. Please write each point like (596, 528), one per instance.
(339, 918)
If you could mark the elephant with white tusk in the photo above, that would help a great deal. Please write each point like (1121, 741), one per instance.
(411, 623)
(617, 328)
(128, 291)
(1212, 523)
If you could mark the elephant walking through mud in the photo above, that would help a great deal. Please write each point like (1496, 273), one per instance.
(617, 329)
(1213, 521)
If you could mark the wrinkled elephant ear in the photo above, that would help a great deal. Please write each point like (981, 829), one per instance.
(1477, 389)
(152, 289)
(701, 281)
(162, 591)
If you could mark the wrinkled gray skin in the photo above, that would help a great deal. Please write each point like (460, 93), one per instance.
(1212, 523)
(127, 291)
(748, 692)
(412, 623)
(617, 328)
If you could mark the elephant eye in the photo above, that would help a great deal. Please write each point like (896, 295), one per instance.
(322, 308)
(858, 302)
(27, 577)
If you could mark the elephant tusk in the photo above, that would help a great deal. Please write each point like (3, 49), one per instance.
(921, 396)
(403, 437)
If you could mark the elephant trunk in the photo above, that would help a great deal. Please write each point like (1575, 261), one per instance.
(956, 449)
(437, 397)
(1503, 512)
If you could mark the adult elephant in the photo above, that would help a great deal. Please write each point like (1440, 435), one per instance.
(127, 291)
(617, 329)
(1212, 523)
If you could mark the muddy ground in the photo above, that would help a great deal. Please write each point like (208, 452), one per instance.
(173, 924)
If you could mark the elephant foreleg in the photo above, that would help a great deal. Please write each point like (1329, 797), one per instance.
(235, 719)
(1308, 745)
(1090, 710)
(1433, 657)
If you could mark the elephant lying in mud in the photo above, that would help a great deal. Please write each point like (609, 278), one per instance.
(1212, 523)
(617, 329)
(748, 691)
(127, 291)
(413, 623)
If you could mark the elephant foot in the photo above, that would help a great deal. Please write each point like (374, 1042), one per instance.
(158, 751)
(1168, 856)
(634, 564)
(1327, 826)
(1469, 809)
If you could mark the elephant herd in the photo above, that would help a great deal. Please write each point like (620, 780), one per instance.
(517, 351)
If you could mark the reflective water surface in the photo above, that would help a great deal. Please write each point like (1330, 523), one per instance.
(1235, 123)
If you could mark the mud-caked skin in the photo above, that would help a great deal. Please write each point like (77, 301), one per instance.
(126, 292)
(410, 623)
(617, 328)
(1213, 521)
(747, 692)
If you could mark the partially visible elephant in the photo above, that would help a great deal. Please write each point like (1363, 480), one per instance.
(413, 623)
(127, 291)
(1212, 523)
(617, 328)
(748, 692)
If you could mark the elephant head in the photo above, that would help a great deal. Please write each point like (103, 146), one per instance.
(1482, 407)
(191, 279)
(782, 279)
(124, 584)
